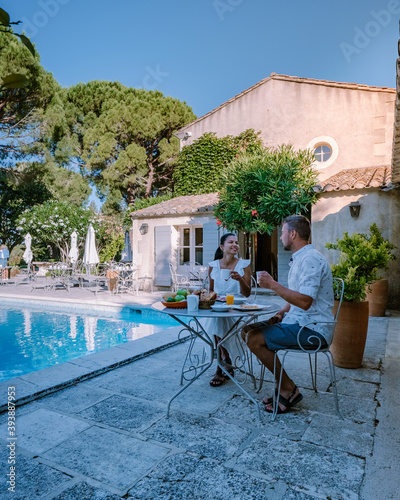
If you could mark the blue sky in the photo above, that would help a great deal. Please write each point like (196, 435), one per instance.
(206, 51)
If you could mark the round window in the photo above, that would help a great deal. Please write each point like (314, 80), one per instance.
(322, 152)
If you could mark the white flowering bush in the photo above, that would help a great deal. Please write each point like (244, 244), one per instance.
(54, 222)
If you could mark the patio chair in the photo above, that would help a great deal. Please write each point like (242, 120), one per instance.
(303, 348)
(126, 282)
(179, 280)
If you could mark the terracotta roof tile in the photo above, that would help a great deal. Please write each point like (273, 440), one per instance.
(357, 178)
(193, 204)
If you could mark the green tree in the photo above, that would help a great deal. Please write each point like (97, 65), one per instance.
(262, 188)
(26, 185)
(122, 137)
(111, 237)
(63, 184)
(199, 166)
(14, 80)
(18, 192)
(22, 108)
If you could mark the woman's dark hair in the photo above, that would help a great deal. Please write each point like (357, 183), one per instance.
(219, 253)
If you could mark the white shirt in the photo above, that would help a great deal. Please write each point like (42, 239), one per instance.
(222, 286)
(310, 274)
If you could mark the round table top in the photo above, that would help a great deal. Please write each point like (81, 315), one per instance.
(234, 312)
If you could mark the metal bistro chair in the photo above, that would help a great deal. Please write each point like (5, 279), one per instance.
(338, 285)
(179, 280)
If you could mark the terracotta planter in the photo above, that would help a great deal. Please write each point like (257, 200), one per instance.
(14, 272)
(350, 335)
(378, 298)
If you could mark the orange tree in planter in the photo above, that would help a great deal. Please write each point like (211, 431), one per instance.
(262, 188)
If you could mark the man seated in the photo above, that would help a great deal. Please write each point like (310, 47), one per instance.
(309, 298)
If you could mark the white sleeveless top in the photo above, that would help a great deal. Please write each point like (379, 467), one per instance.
(221, 286)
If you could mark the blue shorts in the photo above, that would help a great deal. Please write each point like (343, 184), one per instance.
(284, 336)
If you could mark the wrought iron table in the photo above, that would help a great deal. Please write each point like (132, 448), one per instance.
(191, 321)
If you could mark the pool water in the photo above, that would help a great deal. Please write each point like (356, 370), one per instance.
(36, 336)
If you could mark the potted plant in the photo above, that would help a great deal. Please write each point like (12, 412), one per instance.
(361, 257)
(378, 290)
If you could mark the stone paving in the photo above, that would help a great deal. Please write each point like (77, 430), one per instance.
(107, 437)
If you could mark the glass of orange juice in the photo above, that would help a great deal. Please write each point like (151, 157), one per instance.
(229, 300)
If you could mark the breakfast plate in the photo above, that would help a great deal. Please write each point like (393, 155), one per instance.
(237, 299)
(252, 307)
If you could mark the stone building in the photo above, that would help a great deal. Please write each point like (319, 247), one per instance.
(349, 126)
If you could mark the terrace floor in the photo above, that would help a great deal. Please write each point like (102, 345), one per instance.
(107, 436)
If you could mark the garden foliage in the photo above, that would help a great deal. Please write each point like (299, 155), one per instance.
(199, 167)
(261, 188)
(362, 255)
(54, 222)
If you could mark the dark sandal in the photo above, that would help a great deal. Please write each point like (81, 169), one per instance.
(218, 379)
(270, 400)
(287, 403)
(228, 367)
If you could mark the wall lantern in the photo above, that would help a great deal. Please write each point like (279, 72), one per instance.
(143, 228)
(355, 208)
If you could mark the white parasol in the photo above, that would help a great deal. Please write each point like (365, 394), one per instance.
(126, 255)
(90, 257)
(28, 255)
(74, 252)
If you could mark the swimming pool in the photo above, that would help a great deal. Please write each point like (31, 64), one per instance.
(38, 335)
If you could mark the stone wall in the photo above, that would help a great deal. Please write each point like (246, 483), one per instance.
(331, 218)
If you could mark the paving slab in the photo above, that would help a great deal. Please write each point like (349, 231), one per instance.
(239, 410)
(383, 466)
(355, 438)
(42, 429)
(111, 457)
(316, 469)
(124, 413)
(71, 399)
(204, 436)
(55, 375)
(85, 491)
(182, 477)
(34, 480)
(351, 407)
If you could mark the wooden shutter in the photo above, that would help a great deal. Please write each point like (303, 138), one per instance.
(162, 255)
(210, 241)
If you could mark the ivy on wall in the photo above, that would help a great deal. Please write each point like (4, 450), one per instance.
(199, 167)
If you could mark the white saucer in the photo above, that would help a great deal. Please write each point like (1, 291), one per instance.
(220, 308)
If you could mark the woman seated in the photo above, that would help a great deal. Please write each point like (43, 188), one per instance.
(239, 281)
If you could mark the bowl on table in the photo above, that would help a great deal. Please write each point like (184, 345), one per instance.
(206, 304)
(175, 305)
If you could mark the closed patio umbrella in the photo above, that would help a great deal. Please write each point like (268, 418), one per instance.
(28, 255)
(74, 252)
(126, 255)
(90, 257)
